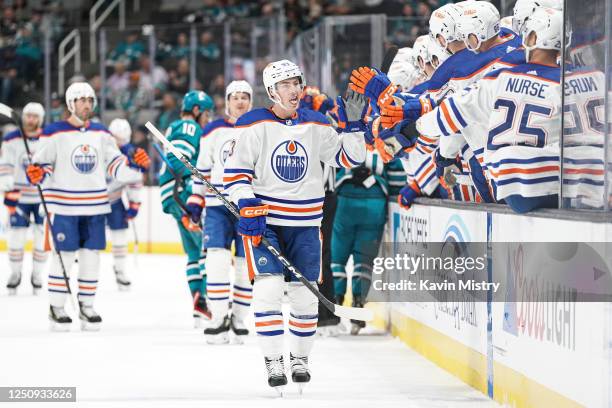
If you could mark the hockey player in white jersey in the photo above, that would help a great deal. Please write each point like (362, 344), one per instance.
(273, 174)
(119, 217)
(21, 198)
(75, 157)
(521, 107)
(220, 227)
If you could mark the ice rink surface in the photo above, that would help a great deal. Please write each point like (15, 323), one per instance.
(148, 354)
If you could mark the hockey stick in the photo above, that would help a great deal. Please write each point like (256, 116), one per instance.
(14, 117)
(133, 222)
(340, 311)
(177, 181)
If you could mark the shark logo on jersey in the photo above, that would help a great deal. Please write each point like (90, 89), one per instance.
(289, 161)
(226, 150)
(84, 159)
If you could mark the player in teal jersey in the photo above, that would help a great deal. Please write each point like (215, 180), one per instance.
(361, 214)
(175, 186)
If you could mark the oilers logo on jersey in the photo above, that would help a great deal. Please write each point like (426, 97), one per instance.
(84, 158)
(226, 150)
(290, 161)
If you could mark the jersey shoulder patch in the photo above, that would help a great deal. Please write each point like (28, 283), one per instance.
(214, 125)
(256, 115)
(14, 134)
(56, 127)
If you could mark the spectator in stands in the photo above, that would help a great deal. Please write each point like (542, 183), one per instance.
(29, 55)
(133, 98)
(217, 85)
(219, 101)
(53, 20)
(207, 49)
(182, 48)
(8, 27)
(118, 81)
(179, 78)
(153, 79)
(129, 50)
(58, 110)
(169, 112)
(235, 8)
(405, 29)
(22, 12)
(8, 74)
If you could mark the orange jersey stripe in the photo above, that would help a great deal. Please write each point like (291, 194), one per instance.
(242, 296)
(249, 257)
(298, 210)
(515, 170)
(268, 323)
(61, 197)
(302, 325)
(448, 118)
(237, 177)
(217, 291)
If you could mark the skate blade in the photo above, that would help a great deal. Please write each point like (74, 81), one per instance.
(217, 339)
(123, 288)
(280, 390)
(59, 327)
(87, 326)
(238, 339)
(12, 291)
(36, 291)
(300, 387)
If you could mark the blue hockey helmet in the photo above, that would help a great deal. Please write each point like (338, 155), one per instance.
(197, 98)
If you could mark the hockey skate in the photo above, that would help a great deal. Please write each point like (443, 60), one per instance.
(123, 282)
(239, 329)
(331, 327)
(300, 374)
(90, 320)
(218, 331)
(36, 282)
(59, 320)
(357, 325)
(276, 373)
(13, 282)
(200, 311)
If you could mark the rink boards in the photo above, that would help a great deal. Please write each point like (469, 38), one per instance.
(556, 356)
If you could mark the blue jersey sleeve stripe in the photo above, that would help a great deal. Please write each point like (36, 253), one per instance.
(456, 112)
(440, 124)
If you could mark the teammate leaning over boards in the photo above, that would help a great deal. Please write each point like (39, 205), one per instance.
(21, 198)
(220, 227)
(119, 216)
(521, 106)
(273, 174)
(75, 156)
(185, 134)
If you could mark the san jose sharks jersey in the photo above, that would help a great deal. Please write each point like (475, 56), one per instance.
(185, 136)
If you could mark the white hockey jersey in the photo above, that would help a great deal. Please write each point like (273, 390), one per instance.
(13, 162)
(78, 161)
(215, 144)
(278, 161)
(521, 107)
(584, 137)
